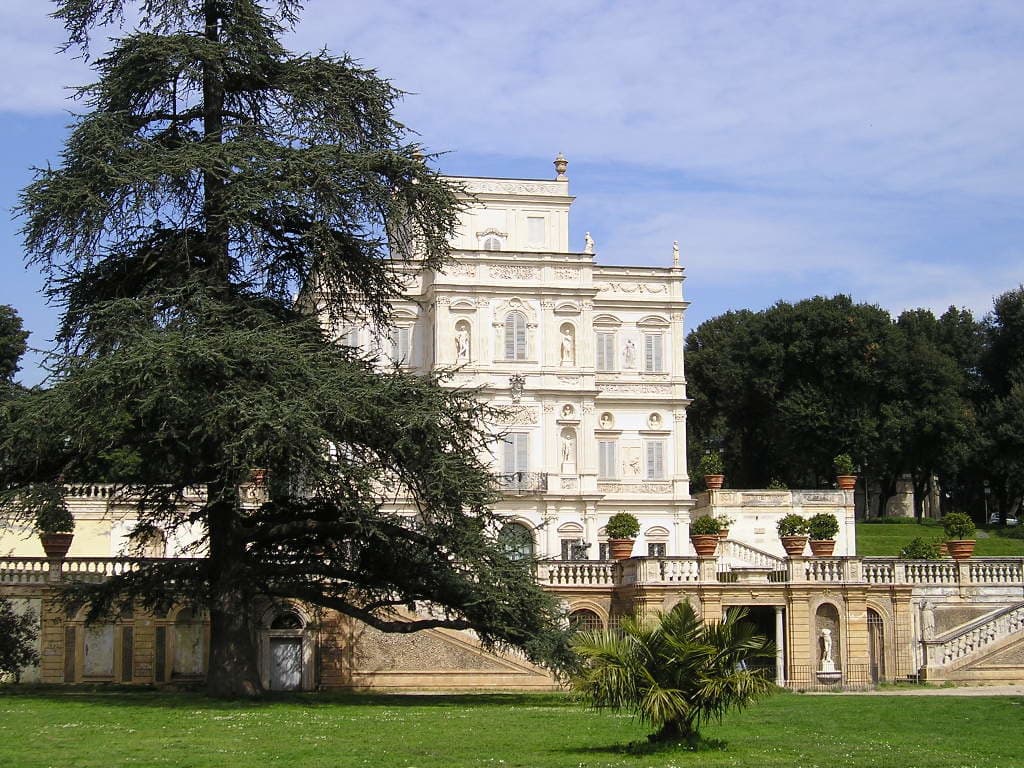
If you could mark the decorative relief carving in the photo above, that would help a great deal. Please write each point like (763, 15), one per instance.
(548, 407)
(443, 301)
(816, 497)
(639, 389)
(570, 380)
(511, 414)
(679, 415)
(514, 272)
(566, 273)
(460, 269)
(677, 316)
(621, 287)
(646, 487)
(569, 483)
(760, 499)
(546, 304)
(588, 305)
(514, 187)
(588, 409)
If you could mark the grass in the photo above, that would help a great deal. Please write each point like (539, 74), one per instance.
(94, 729)
(888, 536)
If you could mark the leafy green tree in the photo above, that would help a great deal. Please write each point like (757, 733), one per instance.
(18, 634)
(676, 674)
(216, 177)
(13, 340)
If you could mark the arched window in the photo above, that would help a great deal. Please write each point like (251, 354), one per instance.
(492, 243)
(516, 540)
(286, 620)
(515, 336)
(584, 620)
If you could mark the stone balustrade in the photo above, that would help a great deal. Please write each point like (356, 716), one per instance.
(648, 571)
(970, 640)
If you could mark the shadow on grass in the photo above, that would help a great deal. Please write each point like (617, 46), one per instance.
(149, 696)
(645, 748)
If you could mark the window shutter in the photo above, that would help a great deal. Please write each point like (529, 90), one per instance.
(606, 455)
(605, 352)
(515, 336)
(652, 352)
(508, 455)
(404, 344)
(655, 459)
(520, 337)
(523, 453)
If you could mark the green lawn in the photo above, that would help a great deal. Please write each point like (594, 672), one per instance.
(888, 538)
(102, 730)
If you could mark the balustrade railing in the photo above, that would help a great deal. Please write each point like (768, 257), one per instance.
(737, 551)
(970, 640)
(24, 570)
(578, 573)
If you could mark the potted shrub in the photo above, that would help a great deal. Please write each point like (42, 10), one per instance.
(846, 478)
(704, 535)
(713, 469)
(822, 529)
(53, 520)
(793, 531)
(724, 521)
(621, 530)
(960, 530)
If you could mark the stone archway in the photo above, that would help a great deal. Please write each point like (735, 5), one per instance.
(287, 650)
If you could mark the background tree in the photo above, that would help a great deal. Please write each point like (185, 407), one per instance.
(13, 343)
(215, 177)
(676, 673)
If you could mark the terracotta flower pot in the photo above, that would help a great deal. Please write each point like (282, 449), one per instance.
(714, 481)
(56, 544)
(723, 534)
(846, 482)
(823, 547)
(960, 549)
(705, 544)
(794, 545)
(620, 549)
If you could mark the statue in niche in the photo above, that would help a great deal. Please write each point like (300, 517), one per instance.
(588, 243)
(568, 348)
(629, 355)
(828, 664)
(606, 421)
(567, 411)
(568, 447)
(654, 421)
(462, 344)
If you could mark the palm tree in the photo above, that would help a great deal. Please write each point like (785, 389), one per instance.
(676, 673)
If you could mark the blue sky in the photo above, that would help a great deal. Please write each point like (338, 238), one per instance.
(792, 148)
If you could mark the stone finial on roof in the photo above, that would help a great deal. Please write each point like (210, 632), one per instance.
(561, 164)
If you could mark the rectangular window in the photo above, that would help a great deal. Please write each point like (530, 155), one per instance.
(605, 353)
(535, 230)
(655, 450)
(602, 551)
(574, 549)
(652, 353)
(401, 345)
(515, 453)
(607, 469)
(656, 549)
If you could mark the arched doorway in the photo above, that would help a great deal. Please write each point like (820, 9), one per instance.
(876, 646)
(287, 650)
(585, 620)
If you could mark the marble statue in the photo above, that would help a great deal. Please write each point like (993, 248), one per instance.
(629, 355)
(588, 243)
(567, 447)
(462, 345)
(568, 348)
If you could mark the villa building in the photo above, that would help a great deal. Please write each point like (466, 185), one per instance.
(583, 361)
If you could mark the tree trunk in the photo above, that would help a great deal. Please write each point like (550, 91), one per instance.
(676, 731)
(233, 671)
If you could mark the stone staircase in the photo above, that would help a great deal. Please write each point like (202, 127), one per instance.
(990, 647)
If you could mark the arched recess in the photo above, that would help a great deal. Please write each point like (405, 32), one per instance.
(287, 640)
(585, 620)
(877, 646)
(826, 618)
(567, 344)
(517, 540)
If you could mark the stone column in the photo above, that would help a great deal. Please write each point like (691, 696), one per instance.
(780, 646)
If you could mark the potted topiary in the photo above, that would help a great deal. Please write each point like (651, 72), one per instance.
(724, 521)
(793, 531)
(53, 520)
(704, 535)
(845, 477)
(713, 469)
(960, 530)
(823, 528)
(621, 530)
